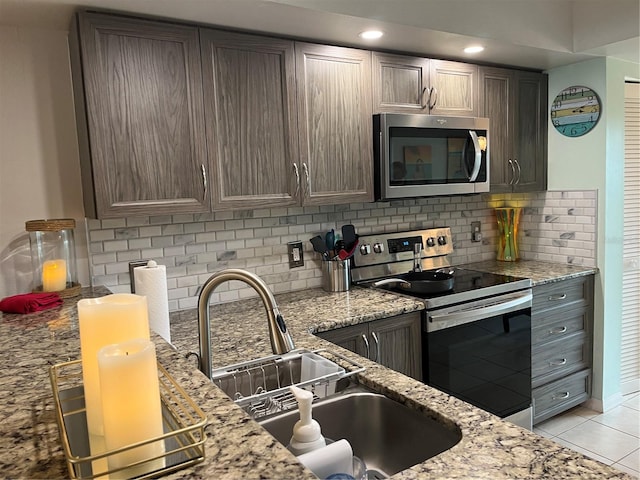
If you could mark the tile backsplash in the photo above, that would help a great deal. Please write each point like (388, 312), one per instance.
(555, 226)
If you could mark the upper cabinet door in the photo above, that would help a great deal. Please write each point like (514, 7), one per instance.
(400, 84)
(251, 124)
(336, 125)
(454, 88)
(404, 84)
(531, 125)
(143, 116)
(515, 102)
(496, 92)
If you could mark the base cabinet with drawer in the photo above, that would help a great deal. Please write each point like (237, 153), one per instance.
(561, 345)
(394, 342)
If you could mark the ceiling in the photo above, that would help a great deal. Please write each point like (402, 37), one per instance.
(537, 34)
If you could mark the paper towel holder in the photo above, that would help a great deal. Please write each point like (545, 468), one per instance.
(132, 265)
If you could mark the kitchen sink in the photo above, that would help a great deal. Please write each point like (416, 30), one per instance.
(387, 435)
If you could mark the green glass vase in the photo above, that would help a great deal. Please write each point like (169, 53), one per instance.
(508, 220)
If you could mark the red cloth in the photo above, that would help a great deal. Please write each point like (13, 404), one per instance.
(30, 302)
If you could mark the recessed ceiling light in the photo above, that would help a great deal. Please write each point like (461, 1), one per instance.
(370, 34)
(474, 49)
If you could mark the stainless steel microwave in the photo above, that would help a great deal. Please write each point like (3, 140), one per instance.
(424, 155)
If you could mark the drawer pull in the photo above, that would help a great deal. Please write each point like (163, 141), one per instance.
(555, 298)
(561, 396)
(558, 330)
(558, 363)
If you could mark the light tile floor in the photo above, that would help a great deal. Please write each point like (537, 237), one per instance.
(612, 437)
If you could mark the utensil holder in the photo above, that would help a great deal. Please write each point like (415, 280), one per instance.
(336, 275)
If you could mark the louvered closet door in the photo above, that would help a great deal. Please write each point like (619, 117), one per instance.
(630, 362)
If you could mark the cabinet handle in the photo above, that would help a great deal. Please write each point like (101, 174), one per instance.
(423, 97)
(375, 338)
(297, 174)
(366, 344)
(558, 363)
(307, 177)
(515, 160)
(204, 181)
(433, 93)
(555, 298)
(560, 396)
(558, 330)
(513, 172)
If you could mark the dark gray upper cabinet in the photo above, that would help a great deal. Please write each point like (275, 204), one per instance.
(335, 122)
(140, 116)
(403, 84)
(176, 118)
(515, 103)
(252, 133)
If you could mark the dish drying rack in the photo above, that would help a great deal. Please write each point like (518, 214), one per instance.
(261, 387)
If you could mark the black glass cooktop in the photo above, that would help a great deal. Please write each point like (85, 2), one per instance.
(467, 285)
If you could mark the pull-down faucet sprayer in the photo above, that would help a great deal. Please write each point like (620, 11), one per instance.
(281, 341)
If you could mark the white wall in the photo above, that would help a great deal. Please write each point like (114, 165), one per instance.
(39, 169)
(596, 161)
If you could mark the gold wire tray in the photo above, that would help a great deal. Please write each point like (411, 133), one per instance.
(183, 424)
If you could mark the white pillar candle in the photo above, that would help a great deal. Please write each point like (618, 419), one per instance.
(104, 321)
(54, 275)
(131, 405)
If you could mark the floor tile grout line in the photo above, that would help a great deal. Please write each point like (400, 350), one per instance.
(614, 428)
(590, 450)
(583, 449)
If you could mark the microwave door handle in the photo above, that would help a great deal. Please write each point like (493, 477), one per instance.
(478, 156)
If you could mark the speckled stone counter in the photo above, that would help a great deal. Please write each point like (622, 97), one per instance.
(236, 446)
(539, 272)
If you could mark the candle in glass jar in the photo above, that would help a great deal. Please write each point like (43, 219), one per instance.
(54, 275)
(131, 405)
(103, 321)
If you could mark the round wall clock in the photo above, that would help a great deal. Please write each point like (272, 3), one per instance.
(575, 111)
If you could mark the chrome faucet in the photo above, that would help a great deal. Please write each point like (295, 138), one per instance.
(281, 341)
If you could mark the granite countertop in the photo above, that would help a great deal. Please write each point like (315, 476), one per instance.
(540, 273)
(236, 446)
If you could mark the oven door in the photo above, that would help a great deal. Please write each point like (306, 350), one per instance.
(480, 352)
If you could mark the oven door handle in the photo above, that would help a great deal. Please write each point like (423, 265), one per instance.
(473, 314)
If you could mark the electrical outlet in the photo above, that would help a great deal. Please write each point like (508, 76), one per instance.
(296, 256)
(476, 233)
(132, 265)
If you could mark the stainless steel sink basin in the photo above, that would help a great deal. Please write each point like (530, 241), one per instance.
(387, 435)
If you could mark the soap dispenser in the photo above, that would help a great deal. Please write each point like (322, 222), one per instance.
(306, 432)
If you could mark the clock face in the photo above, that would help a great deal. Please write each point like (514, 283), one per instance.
(575, 111)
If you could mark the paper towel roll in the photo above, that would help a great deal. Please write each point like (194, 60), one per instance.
(337, 457)
(151, 281)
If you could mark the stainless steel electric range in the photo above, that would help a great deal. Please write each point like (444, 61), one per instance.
(476, 327)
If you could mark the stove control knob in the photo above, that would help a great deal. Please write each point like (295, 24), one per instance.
(365, 249)
(442, 240)
(431, 241)
(378, 247)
